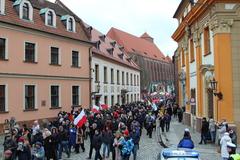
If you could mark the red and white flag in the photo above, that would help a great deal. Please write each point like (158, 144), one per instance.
(81, 119)
(95, 109)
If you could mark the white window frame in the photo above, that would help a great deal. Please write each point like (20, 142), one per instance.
(6, 96)
(30, 10)
(35, 95)
(59, 95)
(79, 94)
(36, 51)
(6, 47)
(54, 18)
(59, 54)
(2, 7)
(74, 24)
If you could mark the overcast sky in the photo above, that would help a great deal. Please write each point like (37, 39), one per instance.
(133, 16)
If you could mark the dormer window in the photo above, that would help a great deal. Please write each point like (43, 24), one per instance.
(25, 9)
(69, 22)
(102, 37)
(121, 55)
(113, 43)
(49, 16)
(2, 6)
(97, 44)
(110, 50)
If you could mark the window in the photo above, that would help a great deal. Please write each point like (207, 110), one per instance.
(183, 58)
(137, 80)
(75, 95)
(112, 100)
(2, 98)
(131, 79)
(192, 57)
(30, 52)
(112, 76)
(2, 49)
(118, 99)
(70, 25)
(2, 6)
(105, 74)
(105, 100)
(75, 59)
(134, 80)
(54, 56)
(123, 78)
(127, 98)
(206, 41)
(29, 97)
(55, 96)
(131, 98)
(25, 11)
(118, 81)
(135, 97)
(96, 73)
(50, 18)
(127, 79)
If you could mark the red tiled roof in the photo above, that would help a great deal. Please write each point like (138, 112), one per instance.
(145, 35)
(11, 17)
(108, 45)
(134, 44)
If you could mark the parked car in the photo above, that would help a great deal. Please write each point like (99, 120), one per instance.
(176, 154)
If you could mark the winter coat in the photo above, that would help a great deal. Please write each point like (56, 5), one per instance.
(24, 153)
(106, 137)
(80, 136)
(50, 147)
(126, 146)
(212, 126)
(186, 143)
(97, 141)
(135, 137)
(205, 127)
(221, 131)
(38, 153)
(63, 136)
(72, 136)
(223, 143)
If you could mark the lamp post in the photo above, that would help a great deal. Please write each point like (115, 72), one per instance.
(213, 85)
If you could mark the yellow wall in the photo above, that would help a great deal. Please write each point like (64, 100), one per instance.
(223, 74)
(199, 82)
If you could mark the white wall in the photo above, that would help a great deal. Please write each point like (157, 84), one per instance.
(114, 89)
(209, 59)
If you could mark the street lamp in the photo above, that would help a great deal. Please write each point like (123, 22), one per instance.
(214, 84)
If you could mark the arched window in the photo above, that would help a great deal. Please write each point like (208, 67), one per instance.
(70, 24)
(25, 11)
(50, 18)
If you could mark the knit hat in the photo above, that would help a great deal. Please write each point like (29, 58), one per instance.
(126, 132)
(187, 130)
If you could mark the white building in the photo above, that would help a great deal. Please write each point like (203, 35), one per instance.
(115, 77)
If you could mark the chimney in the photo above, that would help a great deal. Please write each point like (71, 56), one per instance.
(146, 37)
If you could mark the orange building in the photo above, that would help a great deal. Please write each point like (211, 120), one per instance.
(208, 39)
(44, 60)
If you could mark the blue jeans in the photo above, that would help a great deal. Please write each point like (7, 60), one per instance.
(213, 136)
(106, 147)
(63, 145)
(134, 151)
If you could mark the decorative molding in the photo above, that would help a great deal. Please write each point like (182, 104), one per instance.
(197, 38)
(221, 26)
(205, 68)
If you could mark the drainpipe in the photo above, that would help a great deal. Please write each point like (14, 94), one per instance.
(90, 77)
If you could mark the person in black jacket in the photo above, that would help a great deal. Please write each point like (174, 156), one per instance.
(204, 131)
(97, 143)
(63, 142)
(23, 150)
(49, 146)
(92, 129)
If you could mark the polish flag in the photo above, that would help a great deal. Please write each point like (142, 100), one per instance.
(95, 109)
(81, 119)
(104, 106)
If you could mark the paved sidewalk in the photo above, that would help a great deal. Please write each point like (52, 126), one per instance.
(172, 138)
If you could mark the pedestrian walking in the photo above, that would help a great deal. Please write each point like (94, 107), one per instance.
(204, 131)
(79, 140)
(97, 143)
(212, 129)
(223, 142)
(126, 146)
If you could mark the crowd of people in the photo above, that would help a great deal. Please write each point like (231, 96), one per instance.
(113, 133)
